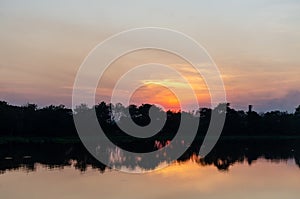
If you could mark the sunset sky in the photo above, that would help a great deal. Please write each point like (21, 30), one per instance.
(255, 44)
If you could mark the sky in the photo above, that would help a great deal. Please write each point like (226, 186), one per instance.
(254, 43)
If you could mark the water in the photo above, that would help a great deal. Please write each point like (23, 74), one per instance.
(234, 169)
(185, 180)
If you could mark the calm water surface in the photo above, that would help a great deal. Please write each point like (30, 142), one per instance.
(263, 179)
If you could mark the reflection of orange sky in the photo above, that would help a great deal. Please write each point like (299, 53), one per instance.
(186, 180)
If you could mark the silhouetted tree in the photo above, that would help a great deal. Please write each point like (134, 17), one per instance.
(29, 120)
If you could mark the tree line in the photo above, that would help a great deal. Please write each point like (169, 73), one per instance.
(30, 120)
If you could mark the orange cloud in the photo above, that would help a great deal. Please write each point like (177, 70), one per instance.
(155, 94)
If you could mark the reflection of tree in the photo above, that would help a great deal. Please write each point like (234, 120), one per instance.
(246, 136)
(230, 151)
(227, 152)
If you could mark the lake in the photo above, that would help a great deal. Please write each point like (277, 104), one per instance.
(256, 168)
(187, 180)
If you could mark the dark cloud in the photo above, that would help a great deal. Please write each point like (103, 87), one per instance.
(287, 102)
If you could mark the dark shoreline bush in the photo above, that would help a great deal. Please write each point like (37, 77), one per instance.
(57, 121)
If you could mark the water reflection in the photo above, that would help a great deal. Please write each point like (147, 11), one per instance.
(20, 155)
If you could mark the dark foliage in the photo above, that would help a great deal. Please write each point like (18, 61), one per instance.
(29, 120)
(246, 136)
